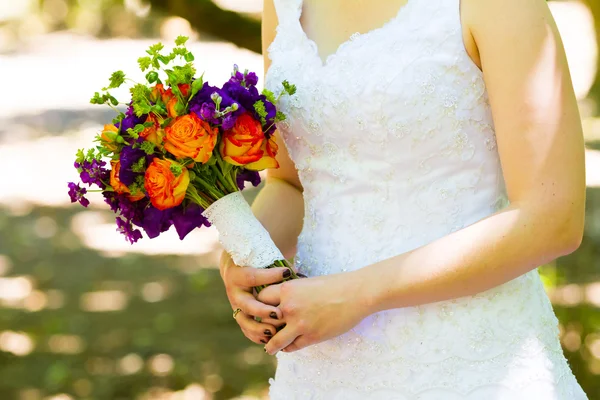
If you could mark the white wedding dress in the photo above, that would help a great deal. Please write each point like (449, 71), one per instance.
(394, 143)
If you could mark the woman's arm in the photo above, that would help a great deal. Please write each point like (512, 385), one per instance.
(541, 149)
(280, 208)
(540, 143)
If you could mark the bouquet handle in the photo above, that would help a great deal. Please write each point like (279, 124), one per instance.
(241, 234)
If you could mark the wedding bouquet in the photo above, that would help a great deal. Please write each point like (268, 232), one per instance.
(182, 152)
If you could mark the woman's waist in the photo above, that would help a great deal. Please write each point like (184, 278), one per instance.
(341, 236)
(506, 319)
(374, 202)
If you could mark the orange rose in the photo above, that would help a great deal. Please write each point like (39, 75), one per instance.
(246, 145)
(157, 92)
(172, 101)
(165, 189)
(189, 136)
(166, 95)
(109, 137)
(184, 88)
(154, 133)
(119, 186)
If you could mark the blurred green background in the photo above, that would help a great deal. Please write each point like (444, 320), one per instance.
(83, 315)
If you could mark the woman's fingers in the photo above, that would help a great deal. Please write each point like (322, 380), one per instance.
(258, 332)
(270, 295)
(298, 344)
(277, 323)
(252, 277)
(281, 340)
(251, 306)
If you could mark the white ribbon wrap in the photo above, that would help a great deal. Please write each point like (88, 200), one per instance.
(242, 236)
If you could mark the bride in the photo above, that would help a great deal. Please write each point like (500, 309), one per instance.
(434, 160)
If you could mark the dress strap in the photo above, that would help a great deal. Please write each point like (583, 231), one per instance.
(287, 10)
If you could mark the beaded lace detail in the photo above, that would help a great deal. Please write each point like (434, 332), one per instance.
(394, 142)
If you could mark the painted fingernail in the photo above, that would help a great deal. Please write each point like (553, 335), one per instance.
(265, 349)
(263, 341)
(273, 315)
(301, 275)
(268, 332)
(287, 273)
(280, 328)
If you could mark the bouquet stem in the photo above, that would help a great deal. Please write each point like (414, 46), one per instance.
(276, 264)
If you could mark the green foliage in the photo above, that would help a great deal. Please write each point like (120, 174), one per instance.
(144, 63)
(136, 130)
(140, 96)
(140, 165)
(104, 98)
(148, 147)
(116, 80)
(260, 109)
(137, 186)
(176, 169)
(181, 40)
(89, 155)
(269, 95)
(280, 116)
(197, 85)
(152, 77)
(289, 88)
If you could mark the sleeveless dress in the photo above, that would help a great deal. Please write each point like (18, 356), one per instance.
(395, 147)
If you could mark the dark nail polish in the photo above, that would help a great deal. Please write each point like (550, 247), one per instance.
(263, 341)
(287, 273)
(273, 315)
(280, 328)
(300, 275)
(268, 332)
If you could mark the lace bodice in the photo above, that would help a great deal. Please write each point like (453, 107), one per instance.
(394, 142)
(389, 132)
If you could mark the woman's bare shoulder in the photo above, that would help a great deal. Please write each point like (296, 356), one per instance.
(510, 19)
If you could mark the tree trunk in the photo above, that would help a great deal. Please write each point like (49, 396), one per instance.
(207, 17)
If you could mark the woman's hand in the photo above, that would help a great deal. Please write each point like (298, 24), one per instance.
(315, 309)
(239, 284)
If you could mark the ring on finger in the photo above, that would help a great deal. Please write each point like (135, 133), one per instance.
(236, 312)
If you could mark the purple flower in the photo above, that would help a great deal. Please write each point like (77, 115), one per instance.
(227, 100)
(236, 76)
(229, 121)
(93, 173)
(207, 113)
(130, 120)
(77, 194)
(126, 228)
(186, 219)
(271, 114)
(246, 175)
(203, 96)
(251, 79)
(245, 97)
(156, 221)
(129, 156)
(129, 213)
